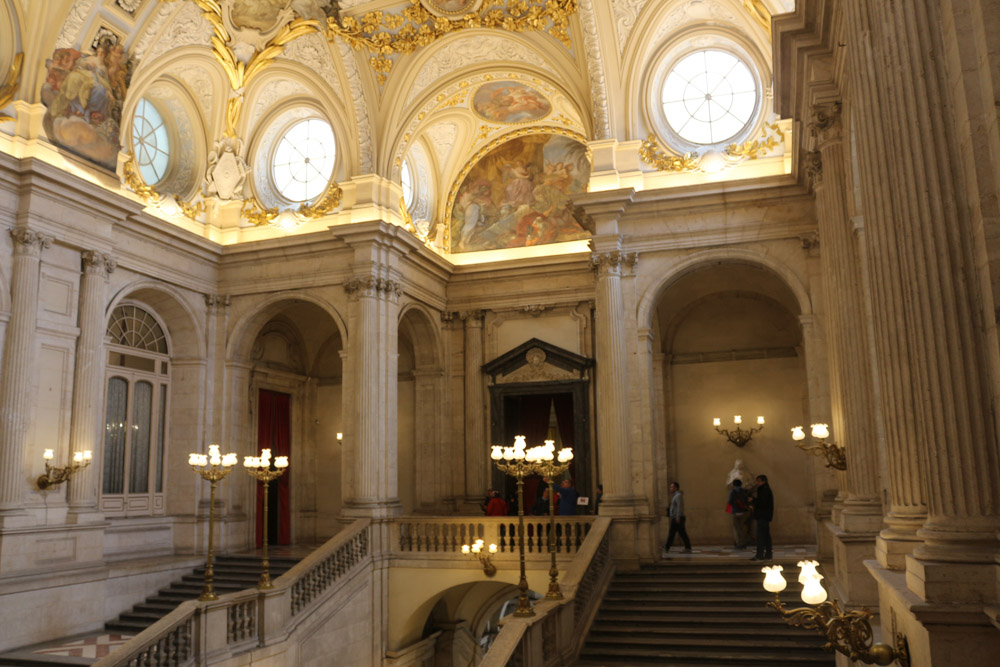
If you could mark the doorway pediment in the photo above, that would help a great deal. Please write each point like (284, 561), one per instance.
(537, 361)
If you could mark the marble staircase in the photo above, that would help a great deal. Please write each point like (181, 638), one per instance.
(698, 612)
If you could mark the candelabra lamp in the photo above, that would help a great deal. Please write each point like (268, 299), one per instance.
(834, 453)
(848, 633)
(213, 467)
(552, 465)
(260, 468)
(476, 549)
(54, 476)
(519, 462)
(738, 437)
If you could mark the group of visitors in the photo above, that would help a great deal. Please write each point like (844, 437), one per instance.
(743, 505)
(566, 498)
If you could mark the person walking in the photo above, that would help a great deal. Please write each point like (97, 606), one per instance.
(763, 513)
(677, 518)
(567, 499)
(737, 505)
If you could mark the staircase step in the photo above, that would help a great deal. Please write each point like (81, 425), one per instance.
(699, 656)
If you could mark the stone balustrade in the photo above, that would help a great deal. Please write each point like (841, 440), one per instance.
(447, 535)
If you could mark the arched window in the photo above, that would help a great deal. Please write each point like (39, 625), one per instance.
(150, 142)
(135, 422)
(406, 181)
(303, 160)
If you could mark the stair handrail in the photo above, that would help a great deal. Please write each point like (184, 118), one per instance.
(583, 585)
(175, 640)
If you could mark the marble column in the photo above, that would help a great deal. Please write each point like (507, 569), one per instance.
(851, 383)
(611, 372)
(476, 445)
(936, 302)
(86, 432)
(374, 345)
(887, 262)
(18, 366)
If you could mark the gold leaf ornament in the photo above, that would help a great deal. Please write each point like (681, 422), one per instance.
(651, 154)
(133, 179)
(325, 204)
(8, 89)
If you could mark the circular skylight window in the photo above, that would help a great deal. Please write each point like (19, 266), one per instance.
(406, 180)
(150, 142)
(303, 160)
(709, 97)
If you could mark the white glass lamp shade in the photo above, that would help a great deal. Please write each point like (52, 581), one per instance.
(496, 452)
(820, 431)
(476, 548)
(88, 455)
(813, 591)
(77, 457)
(807, 570)
(281, 462)
(565, 455)
(550, 445)
(465, 549)
(493, 548)
(737, 419)
(520, 442)
(229, 460)
(519, 454)
(798, 433)
(192, 459)
(716, 422)
(773, 581)
(760, 420)
(508, 454)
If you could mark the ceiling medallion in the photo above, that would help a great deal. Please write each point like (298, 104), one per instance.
(426, 21)
(712, 160)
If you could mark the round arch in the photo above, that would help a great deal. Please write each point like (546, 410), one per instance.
(417, 320)
(791, 279)
(247, 325)
(184, 332)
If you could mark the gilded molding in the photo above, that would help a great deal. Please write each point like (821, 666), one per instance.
(771, 137)
(652, 155)
(28, 242)
(98, 263)
(8, 89)
(759, 13)
(132, 177)
(326, 203)
(385, 34)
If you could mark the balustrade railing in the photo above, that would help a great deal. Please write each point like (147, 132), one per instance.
(447, 535)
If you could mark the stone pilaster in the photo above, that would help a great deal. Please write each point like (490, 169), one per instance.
(18, 365)
(935, 304)
(476, 463)
(88, 385)
(615, 469)
(375, 301)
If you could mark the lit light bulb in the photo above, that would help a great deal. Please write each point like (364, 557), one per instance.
(340, 436)
(48, 454)
(716, 422)
(213, 450)
(813, 591)
(519, 454)
(248, 462)
(519, 442)
(465, 548)
(88, 455)
(737, 419)
(508, 453)
(820, 431)
(281, 462)
(493, 548)
(77, 457)
(476, 548)
(773, 581)
(192, 459)
(760, 420)
(798, 433)
(230, 459)
(550, 445)
(496, 452)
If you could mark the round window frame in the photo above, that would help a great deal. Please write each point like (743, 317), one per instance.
(172, 140)
(407, 164)
(676, 49)
(280, 135)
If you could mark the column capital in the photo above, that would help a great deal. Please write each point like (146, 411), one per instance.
(98, 263)
(472, 318)
(824, 123)
(370, 286)
(28, 242)
(812, 164)
(218, 301)
(604, 263)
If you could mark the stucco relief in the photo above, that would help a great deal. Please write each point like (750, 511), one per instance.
(626, 13)
(181, 178)
(595, 68)
(272, 93)
(314, 52)
(199, 84)
(442, 136)
(690, 12)
(361, 119)
(467, 51)
(152, 28)
(188, 27)
(74, 23)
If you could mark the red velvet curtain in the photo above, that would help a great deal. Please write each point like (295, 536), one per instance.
(274, 432)
(533, 423)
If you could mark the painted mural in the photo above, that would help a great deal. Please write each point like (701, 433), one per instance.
(83, 95)
(510, 102)
(518, 195)
(451, 7)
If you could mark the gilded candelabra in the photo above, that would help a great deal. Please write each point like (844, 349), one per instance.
(260, 468)
(54, 476)
(738, 437)
(476, 549)
(848, 633)
(552, 465)
(834, 453)
(213, 467)
(519, 462)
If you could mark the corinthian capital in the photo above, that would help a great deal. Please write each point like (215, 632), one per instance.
(372, 286)
(27, 242)
(605, 262)
(98, 263)
(824, 122)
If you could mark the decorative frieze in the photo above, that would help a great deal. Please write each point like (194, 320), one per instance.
(372, 286)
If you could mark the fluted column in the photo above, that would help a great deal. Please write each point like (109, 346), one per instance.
(476, 465)
(938, 326)
(373, 345)
(18, 365)
(611, 372)
(88, 382)
(851, 383)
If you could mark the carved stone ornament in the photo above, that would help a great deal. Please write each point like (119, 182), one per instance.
(824, 123)
(98, 262)
(809, 240)
(537, 370)
(27, 242)
(227, 171)
(217, 301)
(613, 261)
(371, 286)
(813, 166)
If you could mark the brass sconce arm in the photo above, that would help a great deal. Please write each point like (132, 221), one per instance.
(489, 569)
(55, 476)
(847, 633)
(739, 437)
(483, 554)
(835, 456)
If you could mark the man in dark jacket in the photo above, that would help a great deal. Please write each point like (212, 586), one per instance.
(763, 512)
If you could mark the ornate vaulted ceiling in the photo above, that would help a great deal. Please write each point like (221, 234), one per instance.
(432, 84)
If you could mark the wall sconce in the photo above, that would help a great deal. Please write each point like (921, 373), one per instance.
(340, 438)
(489, 569)
(56, 476)
(739, 437)
(849, 634)
(835, 456)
